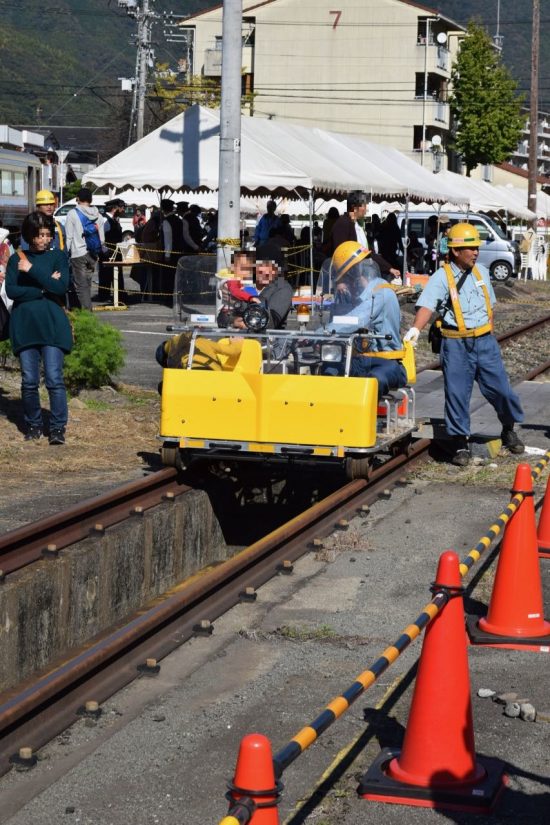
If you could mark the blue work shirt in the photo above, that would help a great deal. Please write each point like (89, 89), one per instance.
(378, 311)
(435, 296)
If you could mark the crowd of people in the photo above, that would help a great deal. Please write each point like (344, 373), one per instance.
(54, 267)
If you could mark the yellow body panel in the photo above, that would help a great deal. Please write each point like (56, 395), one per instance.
(409, 362)
(270, 409)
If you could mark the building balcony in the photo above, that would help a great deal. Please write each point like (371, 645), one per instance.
(436, 112)
(212, 62)
(433, 57)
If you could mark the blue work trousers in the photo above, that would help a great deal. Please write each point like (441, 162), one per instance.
(52, 358)
(465, 360)
(389, 373)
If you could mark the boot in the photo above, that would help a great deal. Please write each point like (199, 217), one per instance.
(512, 441)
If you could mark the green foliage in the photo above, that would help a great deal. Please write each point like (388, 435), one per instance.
(5, 352)
(71, 189)
(97, 354)
(484, 103)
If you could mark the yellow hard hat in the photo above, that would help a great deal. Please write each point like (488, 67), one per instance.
(44, 197)
(463, 234)
(347, 255)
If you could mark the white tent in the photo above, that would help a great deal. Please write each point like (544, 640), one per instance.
(519, 197)
(281, 158)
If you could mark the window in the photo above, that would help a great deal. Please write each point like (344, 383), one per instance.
(481, 228)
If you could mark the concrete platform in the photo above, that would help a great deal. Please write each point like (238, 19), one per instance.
(535, 399)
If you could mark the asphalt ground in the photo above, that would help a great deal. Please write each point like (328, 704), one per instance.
(164, 748)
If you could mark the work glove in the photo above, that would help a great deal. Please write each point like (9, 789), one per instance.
(412, 336)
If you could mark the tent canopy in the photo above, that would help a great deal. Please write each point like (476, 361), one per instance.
(276, 158)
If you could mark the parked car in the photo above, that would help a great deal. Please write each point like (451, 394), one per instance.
(126, 223)
(499, 254)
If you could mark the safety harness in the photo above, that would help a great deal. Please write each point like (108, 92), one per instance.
(462, 331)
(60, 234)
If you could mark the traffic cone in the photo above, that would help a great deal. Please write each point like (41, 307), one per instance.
(255, 779)
(437, 766)
(515, 618)
(543, 532)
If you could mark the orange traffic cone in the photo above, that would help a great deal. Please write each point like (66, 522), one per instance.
(255, 779)
(437, 766)
(543, 532)
(515, 618)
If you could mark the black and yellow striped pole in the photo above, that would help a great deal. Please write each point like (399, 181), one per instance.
(338, 706)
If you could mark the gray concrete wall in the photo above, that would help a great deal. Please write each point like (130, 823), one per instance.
(56, 605)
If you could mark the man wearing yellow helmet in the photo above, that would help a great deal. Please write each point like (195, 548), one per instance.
(370, 303)
(45, 203)
(461, 294)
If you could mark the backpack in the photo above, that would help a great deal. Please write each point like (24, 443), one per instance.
(90, 233)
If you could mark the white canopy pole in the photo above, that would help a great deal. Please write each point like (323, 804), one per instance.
(230, 132)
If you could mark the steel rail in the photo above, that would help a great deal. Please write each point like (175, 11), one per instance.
(27, 544)
(36, 711)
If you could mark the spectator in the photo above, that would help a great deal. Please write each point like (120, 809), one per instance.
(173, 246)
(138, 221)
(286, 231)
(328, 225)
(113, 236)
(85, 239)
(150, 253)
(37, 281)
(415, 254)
(266, 223)
(194, 226)
(372, 230)
(275, 292)
(347, 228)
(390, 243)
(6, 250)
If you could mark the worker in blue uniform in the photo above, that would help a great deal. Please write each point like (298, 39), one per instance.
(462, 295)
(371, 304)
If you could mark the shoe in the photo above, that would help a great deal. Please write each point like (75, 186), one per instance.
(57, 437)
(461, 458)
(33, 434)
(512, 441)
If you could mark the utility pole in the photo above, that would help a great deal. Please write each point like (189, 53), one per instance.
(498, 38)
(146, 17)
(229, 180)
(534, 112)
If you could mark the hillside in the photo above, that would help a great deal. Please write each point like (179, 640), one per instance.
(515, 27)
(61, 63)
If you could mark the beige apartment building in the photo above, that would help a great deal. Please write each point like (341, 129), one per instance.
(376, 68)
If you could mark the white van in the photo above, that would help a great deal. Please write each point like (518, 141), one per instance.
(126, 221)
(500, 255)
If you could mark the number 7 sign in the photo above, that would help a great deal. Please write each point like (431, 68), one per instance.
(337, 16)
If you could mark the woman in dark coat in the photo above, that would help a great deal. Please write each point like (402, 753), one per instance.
(37, 281)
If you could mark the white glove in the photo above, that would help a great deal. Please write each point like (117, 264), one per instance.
(412, 336)
(397, 281)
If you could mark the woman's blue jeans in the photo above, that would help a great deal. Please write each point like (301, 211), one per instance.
(52, 358)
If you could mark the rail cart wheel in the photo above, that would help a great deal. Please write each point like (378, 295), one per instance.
(171, 457)
(357, 468)
(401, 447)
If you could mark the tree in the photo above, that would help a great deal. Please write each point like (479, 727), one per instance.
(484, 103)
(172, 94)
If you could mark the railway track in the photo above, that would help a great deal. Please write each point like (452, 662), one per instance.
(505, 337)
(36, 711)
